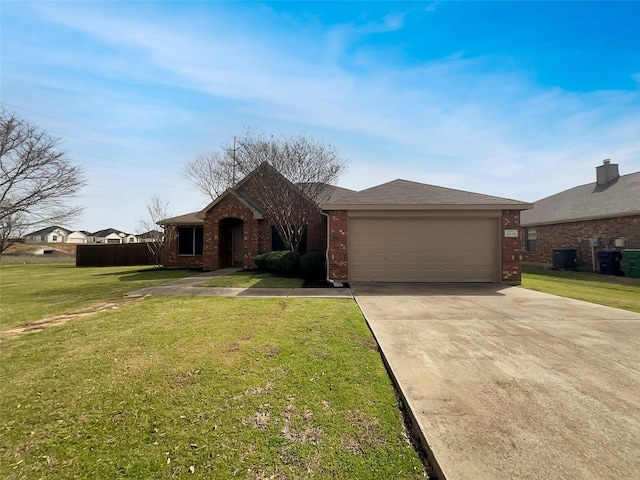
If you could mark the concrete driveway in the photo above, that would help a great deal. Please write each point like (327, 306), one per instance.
(507, 383)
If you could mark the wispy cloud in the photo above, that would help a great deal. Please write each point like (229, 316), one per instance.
(169, 84)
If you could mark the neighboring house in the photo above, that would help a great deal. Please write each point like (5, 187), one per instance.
(150, 236)
(130, 238)
(113, 236)
(600, 216)
(52, 234)
(80, 236)
(400, 231)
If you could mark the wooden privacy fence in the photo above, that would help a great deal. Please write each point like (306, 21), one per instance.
(117, 255)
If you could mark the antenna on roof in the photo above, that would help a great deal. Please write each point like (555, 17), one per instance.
(233, 167)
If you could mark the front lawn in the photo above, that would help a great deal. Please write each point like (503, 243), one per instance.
(169, 387)
(618, 292)
(250, 279)
(32, 292)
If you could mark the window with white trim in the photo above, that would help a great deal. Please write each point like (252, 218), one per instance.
(531, 239)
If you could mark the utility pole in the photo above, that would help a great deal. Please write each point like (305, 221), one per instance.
(233, 167)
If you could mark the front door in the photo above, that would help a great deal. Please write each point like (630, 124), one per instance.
(231, 242)
(237, 246)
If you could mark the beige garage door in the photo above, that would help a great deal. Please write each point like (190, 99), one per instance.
(423, 250)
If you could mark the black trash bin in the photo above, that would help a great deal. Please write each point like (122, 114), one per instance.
(610, 263)
(565, 258)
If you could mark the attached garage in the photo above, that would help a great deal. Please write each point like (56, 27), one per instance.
(423, 249)
(405, 231)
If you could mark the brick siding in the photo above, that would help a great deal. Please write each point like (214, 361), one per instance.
(175, 260)
(256, 236)
(577, 234)
(511, 254)
(255, 233)
(338, 245)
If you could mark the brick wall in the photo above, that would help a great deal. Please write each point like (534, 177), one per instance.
(175, 260)
(577, 234)
(317, 233)
(255, 233)
(338, 245)
(510, 248)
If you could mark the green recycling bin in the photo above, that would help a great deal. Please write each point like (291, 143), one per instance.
(631, 261)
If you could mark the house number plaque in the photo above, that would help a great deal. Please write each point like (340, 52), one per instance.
(511, 233)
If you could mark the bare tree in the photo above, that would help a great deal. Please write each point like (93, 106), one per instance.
(212, 173)
(158, 236)
(289, 176)
(36, 179)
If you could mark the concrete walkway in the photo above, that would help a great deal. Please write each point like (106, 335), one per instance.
(189, 287)
(508, 383)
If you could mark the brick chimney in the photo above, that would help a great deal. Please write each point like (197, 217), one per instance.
(606, 172)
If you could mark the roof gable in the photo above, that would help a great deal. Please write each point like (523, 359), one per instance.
(620, 197)
(257, 211)
(406, 194)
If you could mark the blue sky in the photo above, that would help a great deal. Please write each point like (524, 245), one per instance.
(514, 99)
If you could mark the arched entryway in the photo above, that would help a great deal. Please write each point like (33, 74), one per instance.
(231, 242)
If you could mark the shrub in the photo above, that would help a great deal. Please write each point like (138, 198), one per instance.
(261, 261)
(279, 262)
(312, 265)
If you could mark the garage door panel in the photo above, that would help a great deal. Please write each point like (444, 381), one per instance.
(423, 250)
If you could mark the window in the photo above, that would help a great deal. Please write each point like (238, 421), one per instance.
(190, 240)
(278, 244)
(531, 237)
(55, 238)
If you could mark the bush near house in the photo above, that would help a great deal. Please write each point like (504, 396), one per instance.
(285, 262)
(309, 265)
(312, 265)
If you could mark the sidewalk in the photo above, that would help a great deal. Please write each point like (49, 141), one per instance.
(189, 287)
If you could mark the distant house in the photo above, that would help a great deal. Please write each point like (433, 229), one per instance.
(80, 236)
(53, 234)
(600, 216)
(150, 236)
(113, 236)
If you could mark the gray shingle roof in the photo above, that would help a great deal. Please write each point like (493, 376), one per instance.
(48, 230)
(617, 198)
(107, 232)
(325, 193)
(403, 193)
(186, 219)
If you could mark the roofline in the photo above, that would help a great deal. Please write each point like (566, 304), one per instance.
(580, 219)
(476, 206)
(181, 222)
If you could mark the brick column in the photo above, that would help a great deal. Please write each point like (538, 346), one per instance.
(338, 245)
(511, 255)
(211, 243)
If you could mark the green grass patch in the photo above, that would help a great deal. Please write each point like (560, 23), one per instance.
(618, 292)
(251, 279)
(169, 387)
(33, 292)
